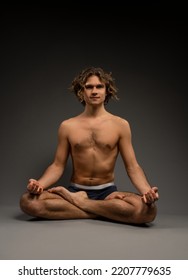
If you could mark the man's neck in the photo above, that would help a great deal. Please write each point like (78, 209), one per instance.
(94, 111)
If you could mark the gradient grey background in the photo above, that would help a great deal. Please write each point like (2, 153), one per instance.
(41, 52)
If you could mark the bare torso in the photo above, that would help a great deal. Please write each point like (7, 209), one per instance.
(93, 148)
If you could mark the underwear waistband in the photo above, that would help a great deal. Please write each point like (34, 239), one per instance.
(98, 187)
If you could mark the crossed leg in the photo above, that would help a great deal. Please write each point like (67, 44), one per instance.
(118, 206)
(59, 203)
(51, 206)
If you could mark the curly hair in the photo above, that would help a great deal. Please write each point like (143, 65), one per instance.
(80, 80)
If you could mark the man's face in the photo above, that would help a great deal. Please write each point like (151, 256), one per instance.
(94, 91)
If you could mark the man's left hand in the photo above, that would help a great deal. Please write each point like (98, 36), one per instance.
(151, 196)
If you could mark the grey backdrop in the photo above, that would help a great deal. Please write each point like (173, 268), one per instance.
(41, 52)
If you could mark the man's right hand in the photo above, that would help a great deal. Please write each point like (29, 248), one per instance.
(34, 187)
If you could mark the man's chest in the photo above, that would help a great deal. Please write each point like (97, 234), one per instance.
(94, 136)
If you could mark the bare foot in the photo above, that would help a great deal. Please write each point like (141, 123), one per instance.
(73, 198)
(115, 195)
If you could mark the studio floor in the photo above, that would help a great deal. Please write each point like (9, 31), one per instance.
(23, 237)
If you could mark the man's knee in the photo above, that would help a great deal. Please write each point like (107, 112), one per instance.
(30, 205)
(142, 213)
(146, 213)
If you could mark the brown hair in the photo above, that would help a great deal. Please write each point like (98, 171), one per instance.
(80, 80)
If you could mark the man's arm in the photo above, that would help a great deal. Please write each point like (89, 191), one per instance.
(134, 170)
(56, 169)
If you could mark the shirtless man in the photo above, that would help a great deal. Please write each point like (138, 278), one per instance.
(93, 139)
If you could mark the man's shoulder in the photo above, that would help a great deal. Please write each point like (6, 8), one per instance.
(68, 122)
(120, 120)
